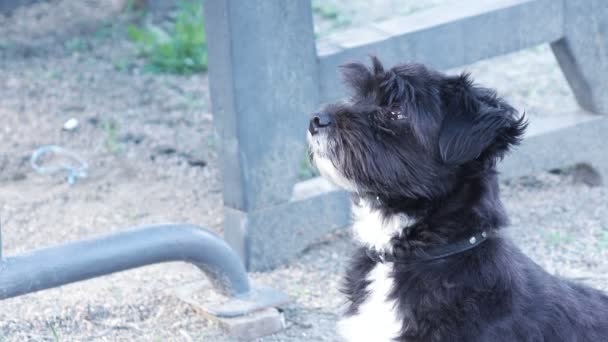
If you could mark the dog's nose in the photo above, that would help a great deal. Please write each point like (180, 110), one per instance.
(319, 121)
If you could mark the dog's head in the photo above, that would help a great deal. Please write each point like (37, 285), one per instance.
(410, 132)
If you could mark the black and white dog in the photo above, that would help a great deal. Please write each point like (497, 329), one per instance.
(417, 149)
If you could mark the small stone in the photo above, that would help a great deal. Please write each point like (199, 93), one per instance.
(196, 162)
(93, 120)
(135, 138)
(164, 150)
(18, 176)
(586, 174)
(472, 240)
(70, 125)
(3, 161)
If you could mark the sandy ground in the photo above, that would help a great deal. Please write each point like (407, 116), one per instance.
(152, 153)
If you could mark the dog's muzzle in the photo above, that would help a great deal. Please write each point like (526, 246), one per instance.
(319, 122)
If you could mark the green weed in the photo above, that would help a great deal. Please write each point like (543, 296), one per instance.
(76, 45)
(104, 33)
(602, 242)
(53, 75)
(130, 6)
(110, 128)
(331, 13)
(122, 65)
(54, 332)
(194, 101)
(307, 170)
(5, 45)
(181, 50)
(211, 142)
(556, 238)
(326, 10)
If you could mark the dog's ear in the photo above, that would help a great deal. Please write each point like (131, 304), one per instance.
(382, 87)
(477, 124)
(358, 77)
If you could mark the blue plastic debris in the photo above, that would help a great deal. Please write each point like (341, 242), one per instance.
(74, 166)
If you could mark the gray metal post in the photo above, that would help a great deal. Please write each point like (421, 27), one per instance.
(583, 52)
(264, 82)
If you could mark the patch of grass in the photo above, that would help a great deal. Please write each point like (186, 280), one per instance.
(5, 45)
(110, 128)
(130, 6)
(194, 101)
(602, 242)
(104, 33)
(117, 292)
(122, 65)
(135, 10)
(416, 7)
(76, 45)
(307, 170)
(331, 13)
(327, 11)
(180, 50)
(54, 332)
(211, 142)
(53, 75)
(556, 238)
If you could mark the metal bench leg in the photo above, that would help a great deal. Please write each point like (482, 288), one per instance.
(81, 260)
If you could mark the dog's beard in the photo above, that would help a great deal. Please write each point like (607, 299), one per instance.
(321, 156)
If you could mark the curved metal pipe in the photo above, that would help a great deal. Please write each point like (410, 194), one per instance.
(146, 245)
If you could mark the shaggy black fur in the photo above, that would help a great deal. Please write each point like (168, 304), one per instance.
(437, 164)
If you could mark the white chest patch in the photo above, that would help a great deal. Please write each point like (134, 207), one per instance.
(377, 318)
(374, 230)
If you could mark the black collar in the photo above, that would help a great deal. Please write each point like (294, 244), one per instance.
(432, 254)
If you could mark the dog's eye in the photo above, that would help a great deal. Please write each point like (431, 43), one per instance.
(396, 115)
